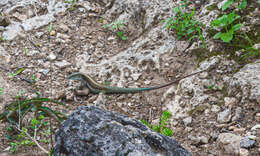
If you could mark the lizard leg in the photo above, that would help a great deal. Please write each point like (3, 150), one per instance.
(82, 92)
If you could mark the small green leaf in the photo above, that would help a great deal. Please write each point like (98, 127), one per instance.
(227, 37)
(156, 128)
(124, 38)
(217, 35)
(227, 4)
(167, 131)
(243, 4)
(50, 27)
(19, 71)
(236, 27)
(176, 10)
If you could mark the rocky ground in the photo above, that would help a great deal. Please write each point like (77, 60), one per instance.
(214, 113)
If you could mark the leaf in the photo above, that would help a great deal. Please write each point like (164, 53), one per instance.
(167, 131)
(176, 10)
(227, 4)
(19, 71)
(236, 27)
(217, 35)
(156, 128)
(243, 4)
(227, 37)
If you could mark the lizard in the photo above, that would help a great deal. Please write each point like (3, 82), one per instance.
(90, 85)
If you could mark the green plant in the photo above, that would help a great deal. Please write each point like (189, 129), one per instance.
(117, 28)
(26, 134)
(72, 4)
(1, 91)
(241, 5)
(25, 50)
(33, 78)
(162, 126)
(184, 24)
(226, 22)
(19, 71)
(50, 27)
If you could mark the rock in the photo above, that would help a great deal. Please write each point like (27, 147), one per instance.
(32, 52)
(51, 57)
(62, 36)
(5, 57)
(53, 33)
(247, 143)
(215, 108)
(224, 116)
(62, 64)
(247, 80)
(187, 121)
(4, 21)
(228, 144)
(255, 127)
(92, 131)
(238, 114)
(230, 101)
(39, 34)
(64, 27)
(244, 152)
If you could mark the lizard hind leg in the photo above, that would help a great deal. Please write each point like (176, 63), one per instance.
(82, 92)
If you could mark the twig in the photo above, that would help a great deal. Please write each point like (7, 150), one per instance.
(35, 46)
(26, 80)
(34, 140)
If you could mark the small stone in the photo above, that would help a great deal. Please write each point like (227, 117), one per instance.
(52, 33)
(255, 127)
(39, 34)
(239, 130)
(238, 114)
(224, 116)
(187, 121)
(32, 52)
(230, 101)
(64, 27)
(228, 144)
(215, 108)
(62, 36)
(111, 38)
(204, 139)
(62, 64)
(244, 152)
(51, 57)
(247, 143)
(44, 71)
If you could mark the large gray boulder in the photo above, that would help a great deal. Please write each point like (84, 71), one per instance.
(90, 131)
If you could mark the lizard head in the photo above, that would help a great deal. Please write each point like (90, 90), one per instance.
(76, 76)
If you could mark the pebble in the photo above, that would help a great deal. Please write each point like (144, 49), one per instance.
(247, 143)
(255, 127)
(224, 116)
(228, 143)
(53, 32)
(187, 121)
(62, 64)
(51, 57)
(215, 108)
(64, 27)
(244, 152)
(230, 101)
(32, 52)
(238, 114)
